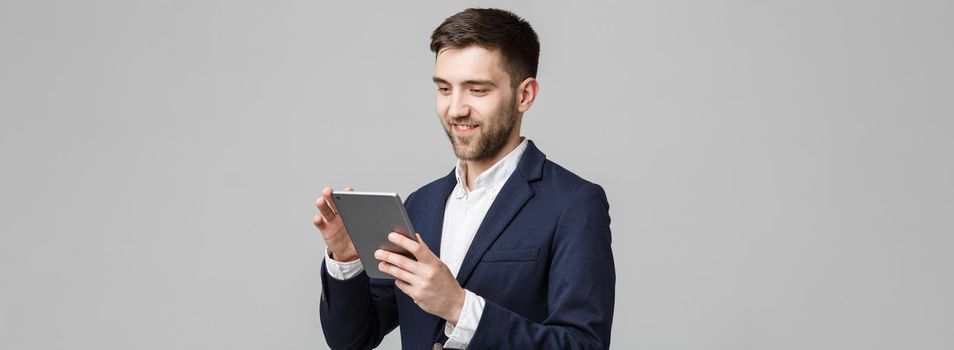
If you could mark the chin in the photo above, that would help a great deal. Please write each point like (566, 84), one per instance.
(464, 152)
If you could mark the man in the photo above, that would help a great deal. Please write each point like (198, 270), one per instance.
(514, 250)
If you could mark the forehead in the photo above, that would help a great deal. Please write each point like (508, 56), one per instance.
(470, 63)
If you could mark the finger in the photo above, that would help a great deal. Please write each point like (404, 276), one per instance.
(423, 244)
(405, 287)
(319, 222)
(325, 209)
(326, 194)
(421, 252)
(397, 272)
(408, 244)
(425, 250)
(398, 260)
(349, 189)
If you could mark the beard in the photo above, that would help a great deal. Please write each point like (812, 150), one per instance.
(486, 144)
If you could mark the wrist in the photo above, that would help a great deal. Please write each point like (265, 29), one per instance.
(343, 258)
(343, 253)
(457, 306)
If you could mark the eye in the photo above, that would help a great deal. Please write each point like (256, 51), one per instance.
(443, 90)
(479, 92)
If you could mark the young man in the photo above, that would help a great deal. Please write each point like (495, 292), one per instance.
(515, 250)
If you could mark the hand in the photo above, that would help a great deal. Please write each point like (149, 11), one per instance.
(428, 280)
(332, 228)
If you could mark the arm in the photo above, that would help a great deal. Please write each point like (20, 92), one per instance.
(581, 289)
(356, 311)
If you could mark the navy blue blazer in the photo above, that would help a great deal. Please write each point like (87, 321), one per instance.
(541, 259)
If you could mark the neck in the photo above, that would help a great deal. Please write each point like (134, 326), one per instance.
(477, 167)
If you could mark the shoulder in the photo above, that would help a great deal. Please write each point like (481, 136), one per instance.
(583, 210)
(558, 180)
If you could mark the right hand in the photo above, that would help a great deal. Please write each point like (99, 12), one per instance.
(332, 228)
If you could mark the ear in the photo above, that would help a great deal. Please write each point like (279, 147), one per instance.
(527, 93)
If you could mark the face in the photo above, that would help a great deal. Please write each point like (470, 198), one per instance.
(475, 102)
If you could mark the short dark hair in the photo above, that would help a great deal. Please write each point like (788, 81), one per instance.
(492, 29)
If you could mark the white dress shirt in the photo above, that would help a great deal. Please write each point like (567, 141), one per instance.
(463, 213)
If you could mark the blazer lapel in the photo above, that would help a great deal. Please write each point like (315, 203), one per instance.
(510, 200)
(434, 223)
(431, 231)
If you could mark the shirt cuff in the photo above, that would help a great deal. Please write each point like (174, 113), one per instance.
(458, 337)
(343, 270)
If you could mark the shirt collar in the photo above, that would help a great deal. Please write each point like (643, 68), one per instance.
(495, 176)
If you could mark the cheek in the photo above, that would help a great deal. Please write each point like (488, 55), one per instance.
(441, 105)
(490, 110)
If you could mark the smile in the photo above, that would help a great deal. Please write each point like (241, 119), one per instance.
(464, 129)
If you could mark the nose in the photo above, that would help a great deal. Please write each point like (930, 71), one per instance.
(458, 107)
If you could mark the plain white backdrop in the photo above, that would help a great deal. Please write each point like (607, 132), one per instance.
(779, 173)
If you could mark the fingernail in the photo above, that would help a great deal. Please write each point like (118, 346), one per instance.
(379, 253)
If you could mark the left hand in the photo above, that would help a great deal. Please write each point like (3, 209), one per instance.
(428, 280)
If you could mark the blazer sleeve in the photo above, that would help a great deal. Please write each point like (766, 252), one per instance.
(358, 312)
(581, 286)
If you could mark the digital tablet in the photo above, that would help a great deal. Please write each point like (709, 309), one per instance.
(369, 217)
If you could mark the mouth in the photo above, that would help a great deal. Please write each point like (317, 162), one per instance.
(464, 129)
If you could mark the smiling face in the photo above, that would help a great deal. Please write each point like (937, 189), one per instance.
(476, 103)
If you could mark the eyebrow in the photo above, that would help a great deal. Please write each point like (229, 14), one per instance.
(467, 82)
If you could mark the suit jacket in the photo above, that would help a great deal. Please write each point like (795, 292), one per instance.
(541, 259)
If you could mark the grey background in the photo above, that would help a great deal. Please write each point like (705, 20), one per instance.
(780, 173)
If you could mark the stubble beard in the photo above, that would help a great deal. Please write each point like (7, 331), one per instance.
(489, 143)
